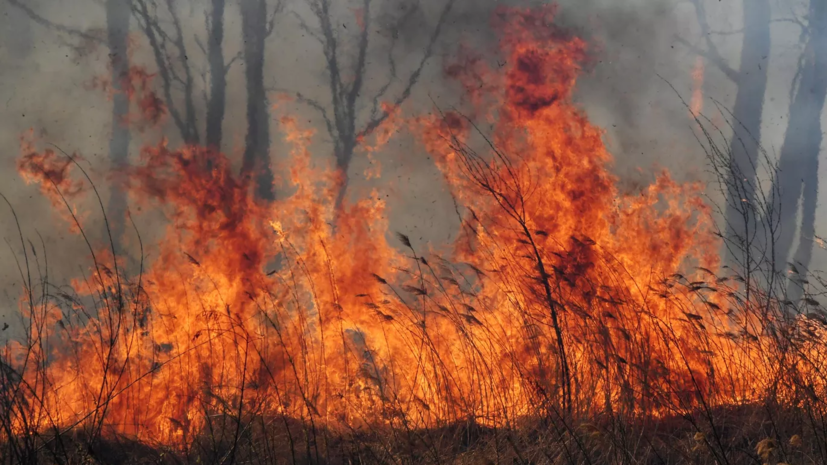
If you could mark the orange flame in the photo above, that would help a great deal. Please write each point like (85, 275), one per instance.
(696, 104)
(50, 171)
(137, 86)
(561, 293)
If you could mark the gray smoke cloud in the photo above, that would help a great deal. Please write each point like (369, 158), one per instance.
(637, 45)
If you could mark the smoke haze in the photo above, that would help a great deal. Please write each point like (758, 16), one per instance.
(637, 47)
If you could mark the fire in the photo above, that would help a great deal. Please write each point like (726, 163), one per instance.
(50, 170)
(696, 104)
(137, 86)
(576, 272)
(562, 296)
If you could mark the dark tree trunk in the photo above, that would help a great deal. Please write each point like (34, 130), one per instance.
(804, 252)
(798, 163)
(117, 24)
(347, 95)
(344, 154)
(749, 104)
(168, 45)
(256, 163)
(218, 78)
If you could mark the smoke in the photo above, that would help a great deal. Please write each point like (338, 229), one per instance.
(637, 46)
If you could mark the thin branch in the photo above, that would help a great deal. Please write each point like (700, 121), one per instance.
(37, 18)
(712, 54)
(414, 77)
(714, 58)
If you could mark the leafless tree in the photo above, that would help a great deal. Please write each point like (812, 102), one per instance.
(751, 78)
(117, 27)
(218, 74)
(172, 59)
(161, 21)
(256, 27)
(352, 114)
(798, 162)
(117, 31)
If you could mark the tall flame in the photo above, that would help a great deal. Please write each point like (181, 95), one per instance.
(562, 294)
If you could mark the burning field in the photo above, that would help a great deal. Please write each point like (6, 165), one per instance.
(571, 321)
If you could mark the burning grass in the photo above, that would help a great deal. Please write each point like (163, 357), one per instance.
(571, 324)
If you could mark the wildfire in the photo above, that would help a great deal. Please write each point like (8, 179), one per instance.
(562, 295)
(136, 85)
(696, 104)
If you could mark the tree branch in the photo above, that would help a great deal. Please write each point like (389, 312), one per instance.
(713, 54)
(37, 18)
(414, 77)
(714, 58)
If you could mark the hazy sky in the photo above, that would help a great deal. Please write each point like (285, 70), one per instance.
(44, 85)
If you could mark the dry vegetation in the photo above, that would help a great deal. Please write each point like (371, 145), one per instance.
(571, 325)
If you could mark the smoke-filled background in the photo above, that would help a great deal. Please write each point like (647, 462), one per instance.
(224, 68)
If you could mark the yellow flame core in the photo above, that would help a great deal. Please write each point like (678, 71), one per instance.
(562, 293)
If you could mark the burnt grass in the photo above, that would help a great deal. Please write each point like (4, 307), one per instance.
(734, 435)
(783, 422)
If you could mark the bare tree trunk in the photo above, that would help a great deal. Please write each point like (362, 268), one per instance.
(166, 40)
(749, 105)
(345, 126)
(256, 163)
(344, 154)
(798, 163)
(804, 252)
(117, 24)
(218, 78)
